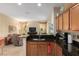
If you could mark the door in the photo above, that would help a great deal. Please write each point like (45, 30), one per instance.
(42, 49)
(32, 49)
(66, 20)
(74, 18)
(60, 22)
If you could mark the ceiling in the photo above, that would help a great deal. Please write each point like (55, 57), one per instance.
(28, 11)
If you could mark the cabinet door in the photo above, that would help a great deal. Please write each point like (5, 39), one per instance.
(68, 5)
(42, 49)
(66, 20)
(32, 49)
(74, 18)
(58, 50)
(57, 23)
(53, 48)
(60, 22)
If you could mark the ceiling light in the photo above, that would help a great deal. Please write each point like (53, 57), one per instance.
(39, 4)
(19, 3)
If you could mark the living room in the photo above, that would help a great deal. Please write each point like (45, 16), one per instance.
(14, 24)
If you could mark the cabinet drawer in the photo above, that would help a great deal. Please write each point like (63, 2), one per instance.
(43, 43)
(32, 42)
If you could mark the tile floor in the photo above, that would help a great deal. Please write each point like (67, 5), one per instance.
(12, 50)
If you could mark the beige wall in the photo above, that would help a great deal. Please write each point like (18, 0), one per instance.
(22, 27)
(33, 24)
(43, 27)
(5, 21)
(36, 24)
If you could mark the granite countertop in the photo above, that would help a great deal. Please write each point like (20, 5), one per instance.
(70, 50)
(67, 49)
(42, 38)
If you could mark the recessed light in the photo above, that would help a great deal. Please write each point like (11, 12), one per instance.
(39, 4)
(19, 3)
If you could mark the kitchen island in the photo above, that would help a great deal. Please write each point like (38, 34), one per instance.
(37, 46)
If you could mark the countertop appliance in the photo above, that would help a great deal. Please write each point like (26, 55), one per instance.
(69, 38)
(65, 37)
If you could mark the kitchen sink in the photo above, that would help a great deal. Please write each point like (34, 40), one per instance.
(39, 39)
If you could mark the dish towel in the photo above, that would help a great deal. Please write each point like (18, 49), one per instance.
(49, 49)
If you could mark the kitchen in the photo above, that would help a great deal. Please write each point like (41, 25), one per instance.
(65, 42)
(49, 29)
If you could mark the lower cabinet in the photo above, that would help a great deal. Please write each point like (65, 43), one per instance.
(52, 44)
(43, 49)
(58, 50)
(36, 49)
(32, 49)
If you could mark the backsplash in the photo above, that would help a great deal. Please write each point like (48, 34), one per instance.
(76, 37)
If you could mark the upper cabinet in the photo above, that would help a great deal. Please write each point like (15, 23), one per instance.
(60, 25)
(68, 5)
(74, 18)
(56, 23)
(69, 19)
(66, 20)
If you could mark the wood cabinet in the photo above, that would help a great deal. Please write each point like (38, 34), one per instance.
(57, 24)
(69, 19)
(58, 50)
(74, 18)
(53, 48)
(68, 5)
(60, 24)
(32, 49)
(66, 20)
(37, 49)
(42, 49)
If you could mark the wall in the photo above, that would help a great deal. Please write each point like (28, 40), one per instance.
(36, 24)
(5, 21)
(43, 28)
(22, 27)
(51, 23)
(33, 24)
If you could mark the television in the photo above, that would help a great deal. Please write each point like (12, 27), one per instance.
(32, 29)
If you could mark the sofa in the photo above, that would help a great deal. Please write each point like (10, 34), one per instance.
(13, 39)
